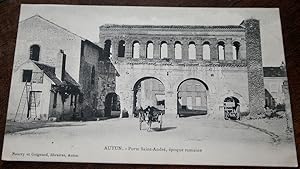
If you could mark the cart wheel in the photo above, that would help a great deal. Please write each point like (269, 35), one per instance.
(226, 116)
(238, 117)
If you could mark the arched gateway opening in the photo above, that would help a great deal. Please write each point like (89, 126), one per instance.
(192, 97)
(231, 108)
(148, 91)
(112, 105)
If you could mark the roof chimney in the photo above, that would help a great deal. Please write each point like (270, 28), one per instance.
(60, 65)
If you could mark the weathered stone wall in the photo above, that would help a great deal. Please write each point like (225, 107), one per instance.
(254, 66)
(274, 86)
(94, 93)
(172, 34)
(51, 39)
(224, 78)
(222, 81)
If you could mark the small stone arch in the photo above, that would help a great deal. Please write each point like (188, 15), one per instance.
(35, 50)
(178, 50)
(163, 49)
(112, 105)
(221, 50)
(206, 50)
(136, 49)
(107, 48)
(242, 101)
(149, 49)
(236, 45)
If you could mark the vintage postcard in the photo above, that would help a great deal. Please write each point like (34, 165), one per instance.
(150, 85)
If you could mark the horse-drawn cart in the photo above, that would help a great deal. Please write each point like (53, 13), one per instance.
(149, 116)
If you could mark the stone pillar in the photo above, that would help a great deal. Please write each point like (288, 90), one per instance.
(128, 49)
(143, 50)
(171, 103)
(199, 51)
(156, 50)
(214, 50)
(171, 50)
(255, 68)
(115, 48)
(228, 49)
(185, 51)
(242, 52)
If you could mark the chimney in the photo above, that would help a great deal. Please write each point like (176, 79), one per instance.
(60, 65)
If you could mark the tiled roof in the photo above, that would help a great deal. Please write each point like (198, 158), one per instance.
(274, 72)
(50, 72)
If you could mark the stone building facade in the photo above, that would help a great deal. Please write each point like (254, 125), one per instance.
(40, 47)
(225, 59)
(275, 79)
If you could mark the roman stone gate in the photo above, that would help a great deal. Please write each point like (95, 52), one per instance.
(186, 68)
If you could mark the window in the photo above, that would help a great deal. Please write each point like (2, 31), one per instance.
(178, 50)
(198, 101)
(107, 49)
(136, 49)
(27, 75)
(235, 50)
(163, 50)
(55, 100)
(35, 52)
(93, 75)
(149, 50)
(274, 88)
(221, 50)
(206, 51)
(192, 50)
(189, 102)
(121, 48)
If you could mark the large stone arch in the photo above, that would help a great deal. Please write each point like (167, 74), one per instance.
(143, 97)
(243, 103)
(205, 96)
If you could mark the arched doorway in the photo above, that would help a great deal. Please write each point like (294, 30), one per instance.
(231, 108)
(112, 105)
(192, 97)
(148, 91)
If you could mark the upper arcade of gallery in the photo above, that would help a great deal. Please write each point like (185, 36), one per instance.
(175, 43)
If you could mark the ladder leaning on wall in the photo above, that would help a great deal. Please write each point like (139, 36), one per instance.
(27, 102)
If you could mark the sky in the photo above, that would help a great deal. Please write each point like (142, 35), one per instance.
(85, 20)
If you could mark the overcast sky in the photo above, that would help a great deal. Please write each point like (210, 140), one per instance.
(85, 20)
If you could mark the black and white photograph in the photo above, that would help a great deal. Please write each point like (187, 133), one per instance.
(150, 85)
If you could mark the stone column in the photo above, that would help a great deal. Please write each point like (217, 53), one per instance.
(115, 48)
(128, 49)
(214, 50)
(171, 103)
(156, 50)
(143, 50)
(171, 50)
(228, 49)
(255, 68)
(199, 50)
(185, 51)
(242, 52)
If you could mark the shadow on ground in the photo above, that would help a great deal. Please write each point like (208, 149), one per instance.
(163, 129)
(13, 127)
